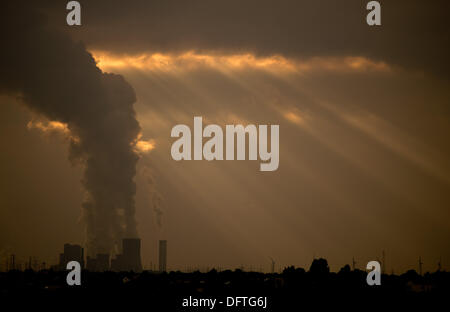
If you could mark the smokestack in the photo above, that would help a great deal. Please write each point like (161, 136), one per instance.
(272, 266)
(162, 256)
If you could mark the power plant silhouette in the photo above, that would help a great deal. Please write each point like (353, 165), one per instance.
(128, 260)
(71, 253)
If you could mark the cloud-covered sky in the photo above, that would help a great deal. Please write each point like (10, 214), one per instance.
(413, 34)
(364, 121)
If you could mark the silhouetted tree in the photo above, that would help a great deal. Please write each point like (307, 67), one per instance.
(319, 267)
(345, 269)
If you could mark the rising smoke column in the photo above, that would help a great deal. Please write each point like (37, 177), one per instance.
(156, 199)
(59, 80)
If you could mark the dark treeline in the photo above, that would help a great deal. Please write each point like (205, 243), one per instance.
(294, 287)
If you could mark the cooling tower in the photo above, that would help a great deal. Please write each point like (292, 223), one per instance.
(131, 254)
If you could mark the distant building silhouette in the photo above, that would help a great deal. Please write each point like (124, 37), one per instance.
(162, 255)
(130, 259)
(13, 262)
(102, 262)
(91, 264)
(71, 253)
(272, 266)
(117, 263)
(98, 264)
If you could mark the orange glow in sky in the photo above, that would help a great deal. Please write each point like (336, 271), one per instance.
(192, 60)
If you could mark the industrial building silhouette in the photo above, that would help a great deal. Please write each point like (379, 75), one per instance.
(71, 253)
(128, 260)
(98, 264)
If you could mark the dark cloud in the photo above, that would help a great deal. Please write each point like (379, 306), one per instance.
(58, 79)
(414, 34)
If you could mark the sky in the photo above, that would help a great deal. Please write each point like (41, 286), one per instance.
(364, 120)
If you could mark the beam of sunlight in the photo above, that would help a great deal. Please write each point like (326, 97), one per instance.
(395, 140)
(346, 147)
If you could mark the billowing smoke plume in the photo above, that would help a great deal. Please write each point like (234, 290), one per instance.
(59, 80)
(156, 199)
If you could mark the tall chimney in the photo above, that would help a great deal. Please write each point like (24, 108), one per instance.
(131, 250)
(162, 255)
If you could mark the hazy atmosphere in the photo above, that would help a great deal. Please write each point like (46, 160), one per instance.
(86, 114)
